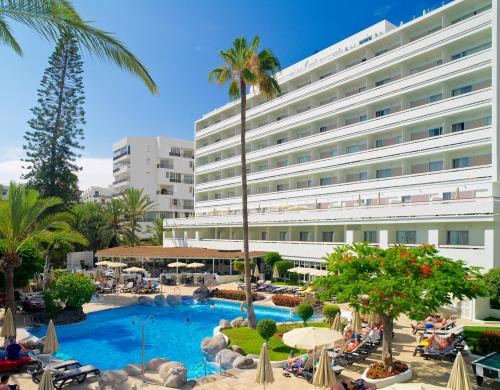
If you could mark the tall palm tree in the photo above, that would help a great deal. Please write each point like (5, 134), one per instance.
(156, 230)
(24, 216)
(50, 18)
(135, 204)
(114, 215)
(246, 68)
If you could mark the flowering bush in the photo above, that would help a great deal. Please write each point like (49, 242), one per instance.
(489, 341)
(235, 295)
(286, 300)
(379, 371)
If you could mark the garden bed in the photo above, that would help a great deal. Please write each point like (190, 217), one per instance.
(473, 335)
(378, 376)
(251, 342)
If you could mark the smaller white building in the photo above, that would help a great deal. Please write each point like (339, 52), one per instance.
(97, 194)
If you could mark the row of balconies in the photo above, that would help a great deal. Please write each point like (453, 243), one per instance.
(335, 76)
(321, 120)
(369, 143)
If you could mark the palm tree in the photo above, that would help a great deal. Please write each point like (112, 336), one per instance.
(243, 68)
(114, 216)
(24, 216)
(157, 229)
(135, 204)
(50, 18)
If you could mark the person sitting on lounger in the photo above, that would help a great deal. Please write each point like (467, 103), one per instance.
(352, 345)
(440, 343)
(4, 384)
(295, 362)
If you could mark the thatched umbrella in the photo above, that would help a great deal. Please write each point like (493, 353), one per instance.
(459, 377)
(337, 323)
(264, 369)
(324, 377)
(46, 382)
(8, 326)
(51, 344)
(356, 322)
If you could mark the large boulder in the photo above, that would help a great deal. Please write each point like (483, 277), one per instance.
(201, 293)
(224, 324)
(174, 374)
(143, 300)
(237, 322)
(211, 345)
(133, 369)
(244, 362)
(238, 349)
(225, 358)
(113, 378)
(174, 300)
(160, 300)
(154, 364)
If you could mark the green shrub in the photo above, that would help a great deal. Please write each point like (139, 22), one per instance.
(272, 258)
(31, 263)
(330, 311)
(283, 266)
(305, 311)
(266, 329)
(239, 265)
(73, 289)
(492, 280)
(489, 341)
(294, 278)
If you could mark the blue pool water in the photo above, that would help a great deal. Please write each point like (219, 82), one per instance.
(110, 340)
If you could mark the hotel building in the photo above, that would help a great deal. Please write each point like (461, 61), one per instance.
(389, 136)
(97, 194)
(162, 167)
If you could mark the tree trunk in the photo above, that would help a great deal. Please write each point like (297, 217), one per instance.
(10, 301)
(388, 325)
(252, 320)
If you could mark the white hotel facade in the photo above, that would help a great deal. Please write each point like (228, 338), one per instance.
(389, 136)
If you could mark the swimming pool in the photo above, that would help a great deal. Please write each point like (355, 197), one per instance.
(109, 340)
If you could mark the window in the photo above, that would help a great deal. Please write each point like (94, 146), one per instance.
(363, 175)
(174, 177)
(406, 237)
(446, 195)
(283, 236)
(218, 196)
(304, 184)
(435, 98)
(327, 236)
(303, 236)
(326, 181)
(379, 143)
(383, 112)
(406, 199)
(353, 149)
(471, 51)
(434, 132)
(458, 127)
(121, 152)
(461, 90)
(188, 153)
(168, 164)
(188, 179)
(462, 162)
(191, 165)
(457, 237)
(363, 117)
(263, 236)
(370, 236)
(188, 204)
(303, 159)
(282, 187)
(281, 140)
(174, 202)
(230, 194)
(381, 173)
(175, 151)
(435, 166)
(323, 129)
(281, 163)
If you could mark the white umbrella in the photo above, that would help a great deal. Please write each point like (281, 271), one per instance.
(459, 377)
(195, 265)
(324, 377)
(8, 326)
(311, 338)
(264, 369)
(136, 270)
(46, 382)
(117, 265)
(256, 271)
(337, 323)
(356, 322)
(319, 272)
(103, 263)
(176, 265)
(276, 274)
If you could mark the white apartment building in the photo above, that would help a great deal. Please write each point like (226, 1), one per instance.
(162, 167)
(97, 194)
(389, 136)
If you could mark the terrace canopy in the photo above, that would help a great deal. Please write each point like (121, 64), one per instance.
(215, 260)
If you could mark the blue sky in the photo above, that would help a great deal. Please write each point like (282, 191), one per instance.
(178, 42)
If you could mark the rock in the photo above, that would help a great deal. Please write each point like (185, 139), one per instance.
(154, 364)
(244, 324)
(224, 324)
(113, 378)
(70, 316)
(174, 374)
(174, 300)
(201, 293)
(160, 300)
(236, 323)
(133, 369)
(253, 356)
(143, 300)
(244, 362)
(211, 345)
(177, 378)
(225, 358)
(238, 349)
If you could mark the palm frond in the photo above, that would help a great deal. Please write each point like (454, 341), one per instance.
(50, 18)
(7, 37)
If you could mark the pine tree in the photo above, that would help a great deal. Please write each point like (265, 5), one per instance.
(53, 145)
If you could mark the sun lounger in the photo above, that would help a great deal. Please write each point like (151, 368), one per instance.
(61, 365)
(443, 333)
(79, 375)
(127, 288)
(449, 353)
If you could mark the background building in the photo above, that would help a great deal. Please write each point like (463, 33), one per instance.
(390, 136)
(162, 167)
(97, 194)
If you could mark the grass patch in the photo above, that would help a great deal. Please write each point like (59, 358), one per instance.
(251, 342)
(288, 283)
(473, 332)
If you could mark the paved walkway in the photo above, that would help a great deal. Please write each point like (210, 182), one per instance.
(426, 371)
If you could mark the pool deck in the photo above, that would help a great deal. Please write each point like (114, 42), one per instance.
(426, 371)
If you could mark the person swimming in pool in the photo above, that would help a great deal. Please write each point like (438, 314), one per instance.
(212, 306)
(187, 320)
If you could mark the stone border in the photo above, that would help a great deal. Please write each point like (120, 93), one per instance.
(384, 382)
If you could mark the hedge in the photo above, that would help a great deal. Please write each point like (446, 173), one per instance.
(489, 341)
(236, 295)
(286, 300)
